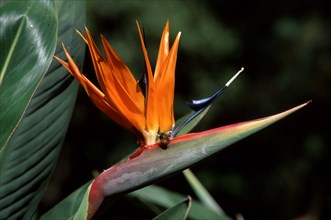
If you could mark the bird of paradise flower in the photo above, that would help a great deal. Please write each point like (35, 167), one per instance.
(150, 116)
(146, 108)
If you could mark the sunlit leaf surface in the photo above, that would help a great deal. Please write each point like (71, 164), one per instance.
(43, 102)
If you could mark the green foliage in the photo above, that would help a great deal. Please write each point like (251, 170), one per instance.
(167, 199)
(178, 211)
(67, 209)
(28, 40)
(37, 97)
(202, 193)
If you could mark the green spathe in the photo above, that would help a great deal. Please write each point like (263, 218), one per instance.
(155, 163)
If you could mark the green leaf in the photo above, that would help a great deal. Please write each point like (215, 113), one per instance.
(47, 100)
(81, 213)
(178, 211)
(166, 198)
(67, 209)
(27, 44)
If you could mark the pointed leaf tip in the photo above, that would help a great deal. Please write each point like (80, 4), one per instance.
(244, 129)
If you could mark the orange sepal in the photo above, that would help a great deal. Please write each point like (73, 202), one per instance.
(165, 85)
(163, 50)
(97, 97)
(123, 76)
(131, 108)
(151, 105)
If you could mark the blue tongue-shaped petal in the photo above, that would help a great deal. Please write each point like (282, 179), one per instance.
(201, 105)
(196, 105)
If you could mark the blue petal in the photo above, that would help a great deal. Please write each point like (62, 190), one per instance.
(201, 105)
(197, 105)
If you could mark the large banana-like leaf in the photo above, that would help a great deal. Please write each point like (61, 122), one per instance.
(155, 163)
(27, 41)
(37, 96)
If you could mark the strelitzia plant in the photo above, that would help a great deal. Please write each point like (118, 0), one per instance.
(145, 107)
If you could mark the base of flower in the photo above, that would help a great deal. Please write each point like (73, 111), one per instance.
(150, 137)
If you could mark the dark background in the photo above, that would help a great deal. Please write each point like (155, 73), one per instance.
(282, 172)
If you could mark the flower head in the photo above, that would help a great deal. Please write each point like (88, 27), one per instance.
(119, 95)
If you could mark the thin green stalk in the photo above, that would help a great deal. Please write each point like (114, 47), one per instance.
(201, 192)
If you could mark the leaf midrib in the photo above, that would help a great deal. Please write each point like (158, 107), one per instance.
(12, 48)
